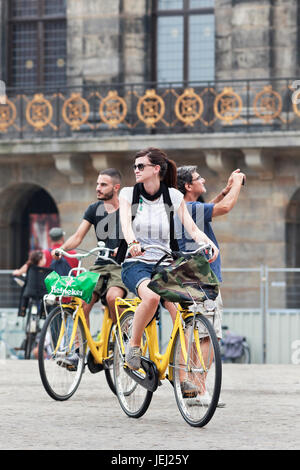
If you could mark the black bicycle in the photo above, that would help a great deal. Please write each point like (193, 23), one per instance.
(31, 305)
(234, 348)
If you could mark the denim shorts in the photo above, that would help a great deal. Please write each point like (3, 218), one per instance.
(135, 272)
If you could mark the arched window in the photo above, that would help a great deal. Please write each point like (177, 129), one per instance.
(36, 43)
(185, 40)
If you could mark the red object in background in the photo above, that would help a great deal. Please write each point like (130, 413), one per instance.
(40, 226)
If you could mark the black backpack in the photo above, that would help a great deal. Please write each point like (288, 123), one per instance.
(120, 256)
(34, 284)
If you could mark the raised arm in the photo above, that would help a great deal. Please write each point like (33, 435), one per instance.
(226, 200)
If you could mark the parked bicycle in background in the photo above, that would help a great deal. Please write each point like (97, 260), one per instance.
(31, 302)
(234, 347)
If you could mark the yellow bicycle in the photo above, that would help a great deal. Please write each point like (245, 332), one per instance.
(65, 338)
(192, 358)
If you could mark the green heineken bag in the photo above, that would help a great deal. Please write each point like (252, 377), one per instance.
(185, 280)
(69, 286)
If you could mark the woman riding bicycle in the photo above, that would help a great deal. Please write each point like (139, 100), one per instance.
(153, 201)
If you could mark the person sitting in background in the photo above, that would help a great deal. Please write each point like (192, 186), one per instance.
(34, 284)
(56, 240)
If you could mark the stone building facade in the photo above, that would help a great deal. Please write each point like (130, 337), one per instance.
(112, 45)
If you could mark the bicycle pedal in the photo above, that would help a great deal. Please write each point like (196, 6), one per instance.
(150, 379)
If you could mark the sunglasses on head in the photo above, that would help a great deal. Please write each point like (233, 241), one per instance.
(141, 166)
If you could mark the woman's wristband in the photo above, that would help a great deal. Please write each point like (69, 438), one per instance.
(134, 242)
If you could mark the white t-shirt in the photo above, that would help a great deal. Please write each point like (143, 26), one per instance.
(151, 223)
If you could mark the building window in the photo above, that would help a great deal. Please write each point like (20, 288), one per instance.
(37, 43)
(185, 40)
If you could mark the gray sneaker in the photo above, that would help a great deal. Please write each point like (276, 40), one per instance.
(188, 389)
(69, 362)
(133, 356)
(203, 400)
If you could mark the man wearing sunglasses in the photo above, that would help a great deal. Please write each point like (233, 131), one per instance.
(192, 185)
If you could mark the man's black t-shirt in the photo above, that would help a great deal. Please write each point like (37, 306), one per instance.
(107, 226)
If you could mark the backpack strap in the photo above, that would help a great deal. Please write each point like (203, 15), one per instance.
(167, 200)
(122, 250)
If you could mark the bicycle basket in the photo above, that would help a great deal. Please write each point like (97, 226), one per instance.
(185, 280)
(69, 286)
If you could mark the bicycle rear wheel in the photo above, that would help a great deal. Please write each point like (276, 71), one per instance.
(133, 398)
(29, 343)
(245, 358)
(197, 384)
(30, 332)
(61, 362)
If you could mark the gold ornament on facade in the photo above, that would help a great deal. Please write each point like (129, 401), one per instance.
(267, 104)
(113, 109)
(295, 101)
(8, 114)
(75, 111)
(150, 108)
(189, 107)
(228, 105)
(39, 112)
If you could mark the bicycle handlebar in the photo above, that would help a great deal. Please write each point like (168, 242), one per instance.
(203, 247)
(80, 256)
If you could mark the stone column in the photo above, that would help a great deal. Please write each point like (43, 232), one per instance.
(285, 18)
(223, 18)
(243, 38)
(134, 56)
(93, 41)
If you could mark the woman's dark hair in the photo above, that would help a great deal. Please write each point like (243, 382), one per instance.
(35, 257)
(168, 170)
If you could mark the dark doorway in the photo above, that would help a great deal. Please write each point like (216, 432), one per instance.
(17, 205)
(38, 202)
(292, 236)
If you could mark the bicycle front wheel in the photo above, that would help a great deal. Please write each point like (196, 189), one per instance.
(197, 379)
(61, 357)
(108, 367)
(133, 398)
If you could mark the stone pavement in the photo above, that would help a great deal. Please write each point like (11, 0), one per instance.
(262, 412)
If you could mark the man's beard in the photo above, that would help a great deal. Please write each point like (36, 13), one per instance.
(105, 197)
